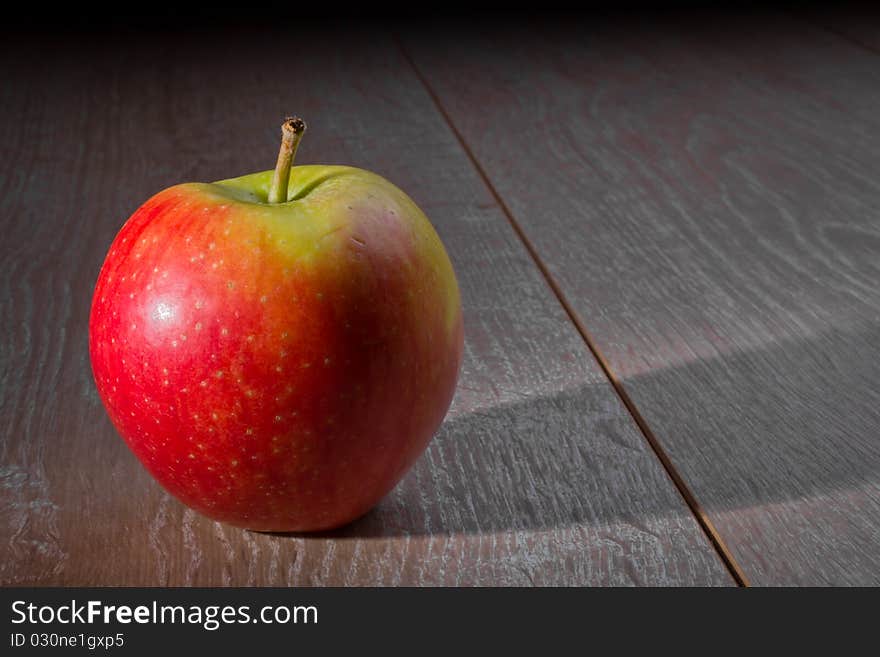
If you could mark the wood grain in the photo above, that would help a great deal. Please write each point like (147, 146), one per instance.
(539, 476)
(705, 195)
(856, 22)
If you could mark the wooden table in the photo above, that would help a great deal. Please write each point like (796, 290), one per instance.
(668, 242)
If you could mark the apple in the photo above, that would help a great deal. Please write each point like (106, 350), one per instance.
(278, 349)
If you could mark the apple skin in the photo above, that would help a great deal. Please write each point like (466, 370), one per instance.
(278, 367)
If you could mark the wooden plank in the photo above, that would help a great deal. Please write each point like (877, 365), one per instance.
(705, 195)
(859, 23)
(539, 476)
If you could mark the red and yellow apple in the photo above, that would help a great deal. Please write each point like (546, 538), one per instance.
(279, 365)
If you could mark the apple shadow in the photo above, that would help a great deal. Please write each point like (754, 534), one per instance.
(539, 463)
(747, 430)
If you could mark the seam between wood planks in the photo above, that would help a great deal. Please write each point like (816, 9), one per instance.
(684, 490)
(853, 41)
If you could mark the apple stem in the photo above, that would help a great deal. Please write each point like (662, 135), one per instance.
(291, 133)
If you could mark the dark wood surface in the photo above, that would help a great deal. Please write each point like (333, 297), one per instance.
(667, 240)
(860, 24)
(705, 194)
(539, 475)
